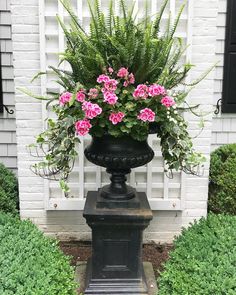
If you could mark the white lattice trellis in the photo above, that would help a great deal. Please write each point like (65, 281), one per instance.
(163, 193)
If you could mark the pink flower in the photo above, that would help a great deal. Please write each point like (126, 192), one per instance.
(65, 97)
(111, 85)
(110, 98)
(93, 93)
(110, 70)
(155, 90)
(116, 118)
(91, 110)
(131, 78)
(126, 84)
(168, 101)
(122, 73)
(82, 127)
(141, 91)
(80, 96)
(146, 115)
(103, 78)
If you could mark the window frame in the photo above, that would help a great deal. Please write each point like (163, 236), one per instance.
(230, 48)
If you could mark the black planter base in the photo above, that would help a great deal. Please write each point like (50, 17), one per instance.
(116, 264)
(114, 286)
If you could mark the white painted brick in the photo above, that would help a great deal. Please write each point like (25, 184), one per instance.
(32, 205)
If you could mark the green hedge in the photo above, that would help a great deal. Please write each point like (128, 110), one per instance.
(31, 264)
(222, 188)
(8, 191)
(204, 259)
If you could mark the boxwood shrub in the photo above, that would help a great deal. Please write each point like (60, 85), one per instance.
(222, 187)
(8, 191)
(31, 264)
(204, 259)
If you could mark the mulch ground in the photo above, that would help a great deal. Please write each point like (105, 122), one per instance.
(155, 253)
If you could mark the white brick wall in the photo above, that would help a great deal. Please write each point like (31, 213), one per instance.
(224, 125)
(7, 122)
(70, 224)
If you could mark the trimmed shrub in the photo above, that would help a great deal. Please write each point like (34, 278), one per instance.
(222, 188)
(204, 259)
(9, 201)
(31, 264)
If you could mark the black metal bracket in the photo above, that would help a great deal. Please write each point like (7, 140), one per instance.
(7, 109)
(218, 106)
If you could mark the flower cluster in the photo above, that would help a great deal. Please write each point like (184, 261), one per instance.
(114, 94)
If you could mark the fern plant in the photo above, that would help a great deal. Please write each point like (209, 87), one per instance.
(117, 43)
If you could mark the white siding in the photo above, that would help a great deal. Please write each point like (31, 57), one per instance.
(224, 125)
(27, 56)
(7, 121)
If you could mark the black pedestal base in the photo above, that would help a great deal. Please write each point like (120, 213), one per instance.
(116, 264)
(114, 286)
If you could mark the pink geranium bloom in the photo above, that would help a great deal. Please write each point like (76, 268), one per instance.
(111, 85)
(110, 97)
(110, 70)
(126, 84)
(141, 91)
(130, 80)
(116, 118)
(80, 96)
(93, 93)
(82, 127)
(155, 90)
(122, 73)
(65, 97)
(91, 110)
(103, 78)
(168, 101)
(146, 115)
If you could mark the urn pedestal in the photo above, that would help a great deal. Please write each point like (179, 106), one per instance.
(117, 215)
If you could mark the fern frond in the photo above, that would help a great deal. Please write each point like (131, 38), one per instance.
(157, 21)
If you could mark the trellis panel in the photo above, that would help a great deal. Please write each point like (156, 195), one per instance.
(164, 193)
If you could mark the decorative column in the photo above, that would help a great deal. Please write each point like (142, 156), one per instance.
(117, 215)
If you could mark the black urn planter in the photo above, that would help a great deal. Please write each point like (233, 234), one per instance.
(117, 215)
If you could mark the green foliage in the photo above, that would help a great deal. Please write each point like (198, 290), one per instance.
(122, 41)
(31, 263)
(8, 191)
(222, 188)
(119, 42)
(204, 259)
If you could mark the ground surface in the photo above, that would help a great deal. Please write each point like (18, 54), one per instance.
(154, 253)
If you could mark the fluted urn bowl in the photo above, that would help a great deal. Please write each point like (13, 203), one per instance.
(119, 155)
